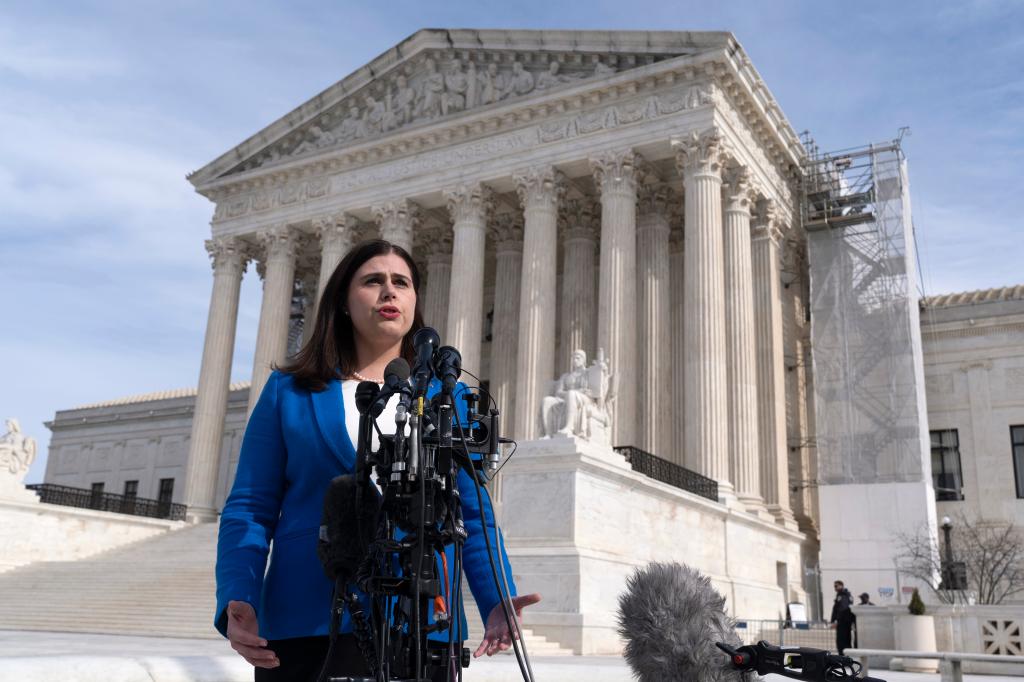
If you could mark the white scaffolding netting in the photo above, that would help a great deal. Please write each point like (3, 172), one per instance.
(865, 336)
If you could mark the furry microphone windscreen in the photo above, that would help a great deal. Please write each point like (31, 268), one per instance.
(671, 617)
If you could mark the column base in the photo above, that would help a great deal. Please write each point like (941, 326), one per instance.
(727, 495)
(783, 516)
(754, 504)
(201, 515)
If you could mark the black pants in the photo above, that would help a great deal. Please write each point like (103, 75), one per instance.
(301, 659)
(844, 634)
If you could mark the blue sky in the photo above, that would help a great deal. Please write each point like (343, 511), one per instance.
(105, 107)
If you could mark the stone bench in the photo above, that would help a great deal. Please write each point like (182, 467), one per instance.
(954, 658)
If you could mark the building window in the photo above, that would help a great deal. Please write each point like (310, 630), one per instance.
(946, 470)
(97, 495)
(131, 490)
(165, 496)
(1017, 443)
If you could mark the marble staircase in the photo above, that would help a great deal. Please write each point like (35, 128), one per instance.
(162, 587)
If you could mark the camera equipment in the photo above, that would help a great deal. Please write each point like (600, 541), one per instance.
(390, 544)
(794, 662)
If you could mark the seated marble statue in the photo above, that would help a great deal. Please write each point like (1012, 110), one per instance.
(579, 404)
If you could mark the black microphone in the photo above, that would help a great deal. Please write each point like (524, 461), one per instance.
(366, 392)
(424, 342)
(396, 376)
(671, 617)
(347, 528)
(447, 367)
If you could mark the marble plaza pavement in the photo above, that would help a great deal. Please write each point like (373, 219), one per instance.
(77, 657)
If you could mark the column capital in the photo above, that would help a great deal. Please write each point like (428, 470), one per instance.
(700, 153)
(506, 231)
(330, 228)
(473, 202)
(581, 219)
(619, 170)
(765, 223)
(397, 219)
(435, 243)
(737, 190)
(541, 186)
(278, 242)
(228, 254)
(654, 199)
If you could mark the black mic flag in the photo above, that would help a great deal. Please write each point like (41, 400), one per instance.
(671, 617)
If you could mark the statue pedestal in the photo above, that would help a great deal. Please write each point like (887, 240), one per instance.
(578, 520)
(12, 489)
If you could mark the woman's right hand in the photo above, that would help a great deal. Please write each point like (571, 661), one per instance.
(244, 635)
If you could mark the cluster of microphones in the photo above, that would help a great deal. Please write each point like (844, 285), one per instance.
(676, 629)
(444, 362)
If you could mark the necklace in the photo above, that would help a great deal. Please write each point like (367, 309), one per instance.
(359, 376)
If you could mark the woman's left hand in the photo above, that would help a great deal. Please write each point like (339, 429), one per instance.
(497, 636)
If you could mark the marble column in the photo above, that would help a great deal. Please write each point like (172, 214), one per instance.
(699, 160)
(438, 253)
(616, 175)
(229, 261)
(469, 207)
(279, 247)
(336, 234)
(654, 338)
(771, 379)
(676, 256)
(397, 220)
(741, 373)
(539, 190)
(579, 281)
(507, 235)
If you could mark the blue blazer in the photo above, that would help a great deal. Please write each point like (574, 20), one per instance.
(294, 444)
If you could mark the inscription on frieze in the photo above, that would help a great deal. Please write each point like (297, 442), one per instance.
(609, 117)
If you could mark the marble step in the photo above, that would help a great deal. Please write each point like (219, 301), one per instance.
(159, 586)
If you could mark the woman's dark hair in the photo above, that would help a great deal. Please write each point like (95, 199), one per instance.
(330, 352)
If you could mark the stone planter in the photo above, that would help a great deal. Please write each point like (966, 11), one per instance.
(917, 633)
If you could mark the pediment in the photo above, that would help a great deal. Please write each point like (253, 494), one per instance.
(437, 74)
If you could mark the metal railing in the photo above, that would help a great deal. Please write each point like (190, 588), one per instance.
(87, 499)
(669, 472)
(813, 634)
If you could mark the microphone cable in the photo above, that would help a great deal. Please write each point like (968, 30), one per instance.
(504, 598)
(494, 403)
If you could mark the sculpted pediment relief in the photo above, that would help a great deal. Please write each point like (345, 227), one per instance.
(435, 85)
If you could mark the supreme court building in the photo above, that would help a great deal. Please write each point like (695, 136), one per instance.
(625, 191)
(633, 194)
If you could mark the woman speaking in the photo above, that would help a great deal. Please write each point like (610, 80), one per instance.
(301, 435)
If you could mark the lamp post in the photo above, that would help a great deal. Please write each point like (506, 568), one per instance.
(947, 568)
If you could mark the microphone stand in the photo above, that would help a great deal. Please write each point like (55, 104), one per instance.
(418, 474)
(794, 662)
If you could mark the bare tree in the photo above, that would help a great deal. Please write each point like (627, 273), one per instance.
(991, 553)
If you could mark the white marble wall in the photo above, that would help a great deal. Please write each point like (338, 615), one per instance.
(142, 441)
(584, 521)
(974, 378)
(33, 532)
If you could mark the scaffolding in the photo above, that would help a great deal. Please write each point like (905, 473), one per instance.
(865, 336)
